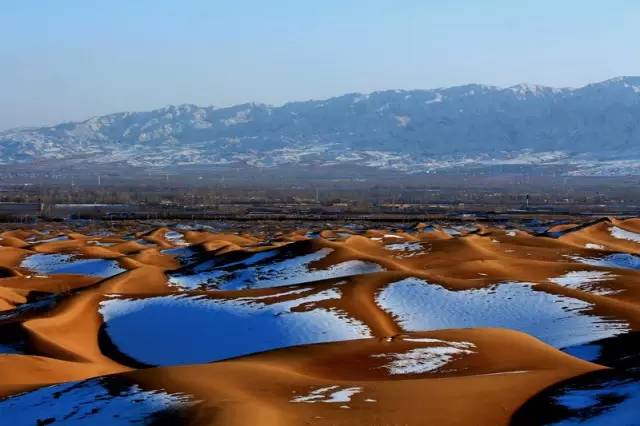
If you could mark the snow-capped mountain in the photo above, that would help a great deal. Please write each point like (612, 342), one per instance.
(595, 129)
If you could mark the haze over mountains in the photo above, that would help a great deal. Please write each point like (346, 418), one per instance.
(592, 130)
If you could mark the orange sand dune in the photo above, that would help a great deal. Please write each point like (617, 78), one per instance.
(49, 284)
(128, 247)
(11, 256)
(261, 389)
(428, 324)
(600, 235)
(58, 246)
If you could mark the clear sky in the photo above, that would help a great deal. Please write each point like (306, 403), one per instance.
(63, 60)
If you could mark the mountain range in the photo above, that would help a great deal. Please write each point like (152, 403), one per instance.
(591, 130)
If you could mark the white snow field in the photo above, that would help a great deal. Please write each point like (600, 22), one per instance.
(52, 264)
(186, 330)
(557, 320)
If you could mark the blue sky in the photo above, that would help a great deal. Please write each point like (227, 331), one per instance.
(71, 59)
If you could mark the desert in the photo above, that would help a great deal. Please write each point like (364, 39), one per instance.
(425, 323)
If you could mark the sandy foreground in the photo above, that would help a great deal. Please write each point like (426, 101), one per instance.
(470, 324)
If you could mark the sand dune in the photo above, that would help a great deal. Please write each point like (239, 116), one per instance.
(330, 326)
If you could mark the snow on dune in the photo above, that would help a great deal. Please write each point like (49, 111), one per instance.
(594, 246)
(557, 320)
(586, 281)
(185, 254)
(588, 352)
(186, 330)
(616, 260)
(94, 402)
(256, 273)
(406, 250)
(175, 237)
(625, 411)
(51, 264)
(424, 360)
(610, 397)
(329, 394)
(210, 272)
(623, 234)
(404, 247)
(34, 240)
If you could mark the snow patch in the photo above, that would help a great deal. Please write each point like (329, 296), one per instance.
(557, 320)
(586, 281)
(623, 234)
(173, 330)
(404, 247)
(616, 260)
(175, 238)
(291, 271)
(594, 246)
(94, 401)
(329, 394)
(424, 360)
(53, 264)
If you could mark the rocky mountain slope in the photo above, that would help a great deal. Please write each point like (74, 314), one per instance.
(592, 130)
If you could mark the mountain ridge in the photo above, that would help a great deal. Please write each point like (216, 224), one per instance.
(414, 131)
(523, 85)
